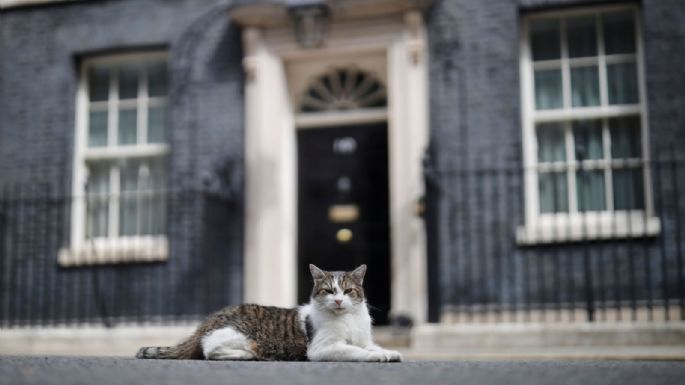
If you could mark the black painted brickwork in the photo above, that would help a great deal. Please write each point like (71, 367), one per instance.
(40, 50)
(474, 117)
(476, 124)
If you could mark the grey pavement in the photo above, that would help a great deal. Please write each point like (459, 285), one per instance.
(120, 371)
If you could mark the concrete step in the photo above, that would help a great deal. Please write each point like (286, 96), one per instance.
(424, 342)
(392, 337)
(440, 338)
(642, 353)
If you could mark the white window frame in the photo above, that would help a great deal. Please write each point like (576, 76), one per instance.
(576, 226)
(113, 248)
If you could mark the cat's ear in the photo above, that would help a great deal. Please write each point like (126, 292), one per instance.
(316, 272)
(358, 273)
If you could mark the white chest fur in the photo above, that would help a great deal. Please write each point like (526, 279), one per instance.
(343, 337)
(352, 328)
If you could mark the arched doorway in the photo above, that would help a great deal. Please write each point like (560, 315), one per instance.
(388, 43)
(343, 199)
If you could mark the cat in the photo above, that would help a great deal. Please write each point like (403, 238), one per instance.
(334, 326)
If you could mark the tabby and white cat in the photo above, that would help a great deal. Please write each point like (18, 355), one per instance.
(334, 326)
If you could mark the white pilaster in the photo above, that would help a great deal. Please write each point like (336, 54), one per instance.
(408, 137)
(270, 219)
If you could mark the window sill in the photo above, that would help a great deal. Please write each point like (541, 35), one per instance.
(587, 227)
(103, 251)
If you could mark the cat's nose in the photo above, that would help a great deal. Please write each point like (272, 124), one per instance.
(338, 301)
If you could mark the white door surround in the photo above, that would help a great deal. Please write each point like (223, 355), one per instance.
(393, 47)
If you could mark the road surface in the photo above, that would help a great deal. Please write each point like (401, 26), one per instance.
(125, 371)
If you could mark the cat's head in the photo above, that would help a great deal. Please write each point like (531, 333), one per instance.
(338, 291)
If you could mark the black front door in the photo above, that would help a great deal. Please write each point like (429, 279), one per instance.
(343, 207)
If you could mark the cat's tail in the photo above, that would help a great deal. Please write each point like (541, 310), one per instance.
(187, 350)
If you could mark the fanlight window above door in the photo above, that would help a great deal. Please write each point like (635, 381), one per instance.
(343, 89)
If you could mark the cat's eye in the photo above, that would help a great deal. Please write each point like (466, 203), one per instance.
(348, 291)
(329, 291)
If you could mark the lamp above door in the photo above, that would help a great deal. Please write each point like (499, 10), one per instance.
(311, 19)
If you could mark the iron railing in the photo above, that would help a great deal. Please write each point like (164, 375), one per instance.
(493, 259)
(171, 256)
(486, 264)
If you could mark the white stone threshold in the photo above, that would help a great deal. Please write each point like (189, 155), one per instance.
(655, 340)
(638, 341)
(89, 340)
(638, 353)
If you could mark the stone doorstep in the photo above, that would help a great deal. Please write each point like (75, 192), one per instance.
(424, 342)
(641, 353)
(392, 337)
(546, 341)
(439, 338)
(96, 340)
(89, 340)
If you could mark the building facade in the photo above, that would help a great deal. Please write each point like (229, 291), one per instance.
(160, 159)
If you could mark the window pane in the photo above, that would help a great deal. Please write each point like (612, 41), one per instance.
(590, 190)
(97, 200)
(97, 128)
(628, 189)
(622, 79)
(551, 143)
(587, 139)
(153, 219)
(157, 79)
(548, 89)
(585, 86)
(619, 33)
(98, 83)
(127, 126)
(128, 81)
(625, 137)
(157, 179)
(156, 124)
(98, 177)
(130, 199)
(553, 191)
(142, 207)
(544, 39)
(582, 36)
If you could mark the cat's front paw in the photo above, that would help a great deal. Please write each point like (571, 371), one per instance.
(393, 356)
(383, 355)
(377, 356)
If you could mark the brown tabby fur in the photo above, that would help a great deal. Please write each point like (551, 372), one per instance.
(275, 332)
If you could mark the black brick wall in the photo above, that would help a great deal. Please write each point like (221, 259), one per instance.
(40, 51)
(476, 124)
(474, 117)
